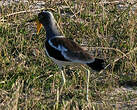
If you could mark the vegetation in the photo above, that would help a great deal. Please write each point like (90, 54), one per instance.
(30, 80)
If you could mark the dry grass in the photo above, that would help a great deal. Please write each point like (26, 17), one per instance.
(30, 80)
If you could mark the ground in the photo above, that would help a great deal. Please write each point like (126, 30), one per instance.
(30, 80)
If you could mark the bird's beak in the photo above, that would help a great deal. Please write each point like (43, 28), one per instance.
(39, 26)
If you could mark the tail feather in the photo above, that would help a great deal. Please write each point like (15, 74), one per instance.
(97, 65)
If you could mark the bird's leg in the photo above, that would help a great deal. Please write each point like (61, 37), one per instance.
(63, 77)
(88, 76)
(63, 83)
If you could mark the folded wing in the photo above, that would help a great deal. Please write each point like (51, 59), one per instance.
(69, 51)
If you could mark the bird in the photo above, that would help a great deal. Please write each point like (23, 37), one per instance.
(64, 51)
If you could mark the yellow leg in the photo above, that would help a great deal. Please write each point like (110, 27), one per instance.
(63, 76)
(88, 76)
(63, 83)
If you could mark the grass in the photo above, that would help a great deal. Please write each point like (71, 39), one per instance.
(30, 80)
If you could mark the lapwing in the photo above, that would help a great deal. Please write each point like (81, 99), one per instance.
(64, 51)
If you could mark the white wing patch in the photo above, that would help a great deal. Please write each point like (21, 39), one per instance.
(73, 56)
(60, 47)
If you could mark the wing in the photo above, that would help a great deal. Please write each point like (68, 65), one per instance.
(67, 50)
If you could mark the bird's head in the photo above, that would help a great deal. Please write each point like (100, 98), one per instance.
(45, 18)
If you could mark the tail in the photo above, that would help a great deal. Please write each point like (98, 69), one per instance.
(97, 65)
